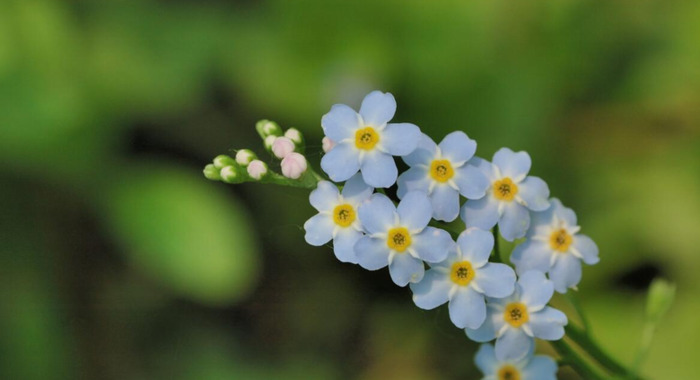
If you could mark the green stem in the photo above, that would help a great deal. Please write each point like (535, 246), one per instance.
(573, 299)
(647, 336)
(572, 358)
(593, 349)
(496, 247)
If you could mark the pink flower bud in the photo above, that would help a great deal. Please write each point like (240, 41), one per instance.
(282, 147)
(293, 165)
(257, 169)
(328, 144)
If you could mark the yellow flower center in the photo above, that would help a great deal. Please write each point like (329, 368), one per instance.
(508, 372)
(560, 240)
(398, 239)
(366, 138)
(504, 189)
(516, 314)
(462, 273)
(344, 215)
(441, 170)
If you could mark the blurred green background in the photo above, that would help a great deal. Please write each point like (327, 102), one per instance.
(118, 260)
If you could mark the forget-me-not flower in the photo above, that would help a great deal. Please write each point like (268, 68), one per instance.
(510, 196)
(464, 278)
(337, 216)
(400, 237)
(554, 246)
(443, 173)
(530, 367)
(516, 320)
(366, 141)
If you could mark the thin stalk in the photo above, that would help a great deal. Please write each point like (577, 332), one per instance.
(593, 349)
(573, 359)
(573, 299)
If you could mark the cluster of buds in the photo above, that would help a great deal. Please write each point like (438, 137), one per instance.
(287, 146)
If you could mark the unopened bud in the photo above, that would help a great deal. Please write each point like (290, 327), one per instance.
(230, 174)
(268, 128)
(294, 135)
(211, 172)
(244, 156)
(282, 146)
(257, 169)
(223, 160)
(293, 165)
(328, 144)
(269, 140)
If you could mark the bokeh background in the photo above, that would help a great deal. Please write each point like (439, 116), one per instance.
(118, 260)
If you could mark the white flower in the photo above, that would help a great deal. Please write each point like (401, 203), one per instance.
(293, 165)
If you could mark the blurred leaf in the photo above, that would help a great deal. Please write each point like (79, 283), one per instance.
(184, 232)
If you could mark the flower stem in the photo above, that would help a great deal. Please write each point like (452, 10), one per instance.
(593, 349)
(573, 299)
(572, 358)
(496, 247)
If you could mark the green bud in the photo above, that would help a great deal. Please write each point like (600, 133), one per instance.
(294, 135)
(212, 172)
(268, 128)
(659, 299)
(269, 140)
(223, 160)
(244, 156)
(231, 174)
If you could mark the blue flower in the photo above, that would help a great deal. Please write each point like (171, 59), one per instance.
(399, 237)
(554, 246)
(509, 197)
(443, 173)
(530, 367)
(516, 320)
(337, 216)
(464, 278)
(366, 141)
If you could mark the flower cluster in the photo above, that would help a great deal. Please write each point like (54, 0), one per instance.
(485, 298)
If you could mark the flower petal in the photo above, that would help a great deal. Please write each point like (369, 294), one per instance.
(377, 214)
(535, 192)
(340, 123)
(341, 162)
(405, 268)
(481, 213)
(586, 249)
(372, 253)
(476, 246)
(432, 245)
(495, 280)
(564, 213)
(566, 272)
(356, 190)
(399, 139)
(433, 290)
(513, 345)
(424, 154)
(512, 164)
(415, 178)
(377, 108)
(467, 308)
(457, 147)
(319, 229)
(536, 289)
(324, 197)
(486, 361)
(471, 181)
(344, 244)
(445, 203)
(484, 166)
(541, 368)
(532, 255)
(487, 331)
(514, 222)
(378, 169)
(548, 323)
(415, 210)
